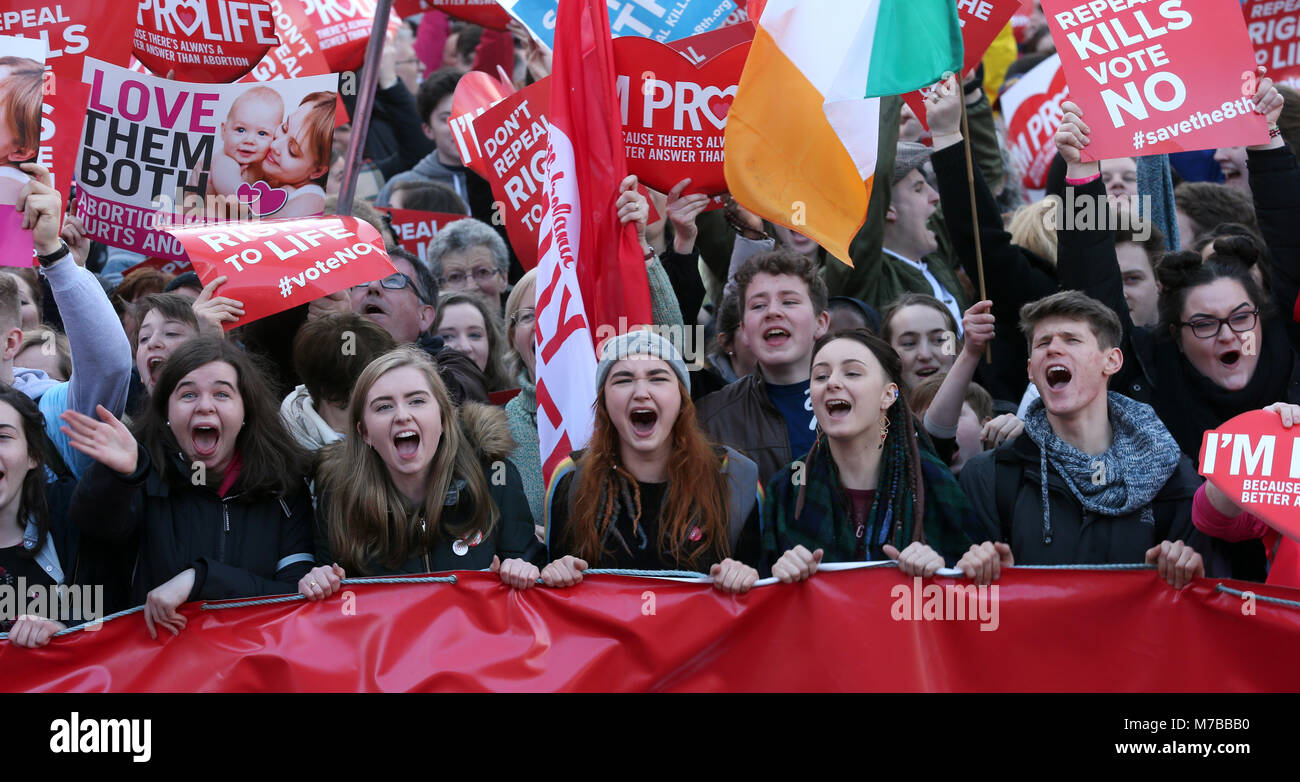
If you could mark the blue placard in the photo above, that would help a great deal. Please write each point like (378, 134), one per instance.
(662, 20)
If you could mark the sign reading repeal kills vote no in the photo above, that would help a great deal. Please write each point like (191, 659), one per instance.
(276, 265)
(1256, 462)
(675, 112)
(1158, 77)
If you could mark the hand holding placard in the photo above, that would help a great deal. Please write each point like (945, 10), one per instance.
(1140, 71)
(1254, 460)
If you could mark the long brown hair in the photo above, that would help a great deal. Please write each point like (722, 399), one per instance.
(697, 493)
(366, 518)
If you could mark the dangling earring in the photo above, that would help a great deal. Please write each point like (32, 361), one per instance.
(884, 429)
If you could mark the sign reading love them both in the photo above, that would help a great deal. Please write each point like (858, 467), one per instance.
(203, 40)
(1256, 462)
(157, 151)
(275, 265)
(1154, 78)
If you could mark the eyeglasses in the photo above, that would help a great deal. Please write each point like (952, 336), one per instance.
(481, 275)
(1209, 328)
(524, 317)
(395, 282)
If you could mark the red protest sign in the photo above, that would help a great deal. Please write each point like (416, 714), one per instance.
(513, 135)
(65, 27)
(299, 52)
(1141, 75)
(698, 48)
(981, 21)
(675, 112)
(1256, 462)
(414, 228)
(475, 93)
(1274, 28)
(487, 13)
(1032, 107)
(276, 265)
(203, 40)
(343, 28)
(164, 265)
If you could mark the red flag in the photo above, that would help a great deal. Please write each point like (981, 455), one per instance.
(591, 279)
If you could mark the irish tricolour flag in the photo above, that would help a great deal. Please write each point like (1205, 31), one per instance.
(802, 131)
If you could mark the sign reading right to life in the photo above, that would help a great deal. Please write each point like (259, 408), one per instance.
(1154, 77)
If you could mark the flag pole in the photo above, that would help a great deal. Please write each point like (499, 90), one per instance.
(974, 211)
(369, 81)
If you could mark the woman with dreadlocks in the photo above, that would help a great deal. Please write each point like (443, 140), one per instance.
(871, 487)
(651, 492)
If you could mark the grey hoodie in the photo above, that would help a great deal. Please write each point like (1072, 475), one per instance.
(430, 169)
(101, 358)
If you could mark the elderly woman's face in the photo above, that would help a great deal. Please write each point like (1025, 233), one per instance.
(472, 269)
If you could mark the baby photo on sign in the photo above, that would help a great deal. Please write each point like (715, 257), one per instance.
(272, 156)
(22, 73)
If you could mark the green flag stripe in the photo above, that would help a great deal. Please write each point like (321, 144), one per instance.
(916, 41)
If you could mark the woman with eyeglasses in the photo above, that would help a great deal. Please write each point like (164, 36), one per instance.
(1223, 346)
(469, 255)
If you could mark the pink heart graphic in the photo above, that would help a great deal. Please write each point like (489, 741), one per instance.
(720, 106)
(187, 15)
(262, 199)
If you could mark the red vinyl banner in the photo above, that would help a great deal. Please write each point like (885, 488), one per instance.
(863, 630)
(276, 265)
(1141, 74)
(1274, 29)
(72, 30)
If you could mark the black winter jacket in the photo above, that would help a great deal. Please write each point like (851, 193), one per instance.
(1005, 489)
(239, 546)
(515, 536)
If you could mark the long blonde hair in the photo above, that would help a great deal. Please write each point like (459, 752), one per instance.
(1033, 227)
(367, 520)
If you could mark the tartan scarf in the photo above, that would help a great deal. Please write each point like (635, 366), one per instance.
(815, 512)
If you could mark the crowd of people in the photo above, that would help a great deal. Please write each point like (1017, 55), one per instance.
(844, 413)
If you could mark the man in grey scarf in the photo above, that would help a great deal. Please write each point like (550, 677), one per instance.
(1096, 477)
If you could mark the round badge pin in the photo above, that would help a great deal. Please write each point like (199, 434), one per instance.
(460, 547)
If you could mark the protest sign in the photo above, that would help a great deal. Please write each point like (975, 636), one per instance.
(1141, 74)
(661, 21)
(487, 13)
(65, 29)
(203, 40)
(299, 52)
(698, 48)
(343, 28)
(1274, 28)
(22, 88)
(413, 228)
(164, 265)
(1032, 109)
(154, 149)
(475, 93)
(513, 137)
(276, 265)
(1256, 462)
(981, 21)
(674, 112)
